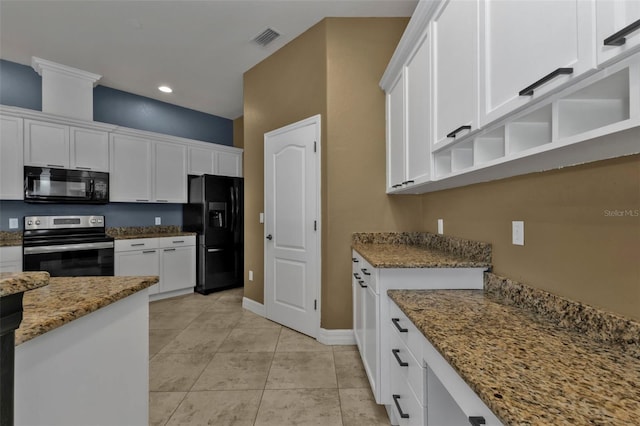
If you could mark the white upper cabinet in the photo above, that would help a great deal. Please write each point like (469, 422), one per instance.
(131, 166)
(202, 161)
(11, 158)
(395, 134)
(89, 149)
(617, 28)
(170, 183)
(215, 161)
(455, 72)
(529, 48)
(46, 144)
(229, 164)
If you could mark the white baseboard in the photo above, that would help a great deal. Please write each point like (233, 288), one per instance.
(253, 306)
(336, 337)
(166, 295)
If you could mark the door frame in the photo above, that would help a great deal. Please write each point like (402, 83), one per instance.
(315, 120)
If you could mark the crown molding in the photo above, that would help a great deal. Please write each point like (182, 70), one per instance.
(40, 65)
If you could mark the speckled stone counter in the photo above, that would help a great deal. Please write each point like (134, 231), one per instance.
(19, 282)
(10, 238)
(68, 298)
(527, 368)
(132, 232)
(420, 250)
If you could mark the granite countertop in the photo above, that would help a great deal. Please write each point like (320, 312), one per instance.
(153, 235)
(133, 232)
(420, 250)
(68, 298)
(525, 367)
(10, 238)
(19, 282)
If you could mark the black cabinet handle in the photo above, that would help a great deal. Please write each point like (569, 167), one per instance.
(137, 244)
(476, 420)
(364, 271)
(178, 242)
(395, 401)
(362, 284)
(55, 165)
(355, 260)
(458, 130)
(148, 251)
(618, 39)
(397, 185)
(356, 276)
(170, 249)
(528, 91)
(396, 322)
(400, 362)
(406, 182)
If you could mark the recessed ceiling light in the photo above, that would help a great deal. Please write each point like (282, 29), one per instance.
(165, 89)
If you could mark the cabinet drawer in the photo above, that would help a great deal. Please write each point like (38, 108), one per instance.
(402, 398)
(136, 244)
(413, 372)
(369, 275)
(412, 337)
(181, 241)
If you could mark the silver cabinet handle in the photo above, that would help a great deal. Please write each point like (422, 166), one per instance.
(83, 168)
(55, 165)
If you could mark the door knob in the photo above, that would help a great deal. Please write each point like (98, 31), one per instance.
(269, 237)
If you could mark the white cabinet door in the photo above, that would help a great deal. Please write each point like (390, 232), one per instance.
(138, 263)
(612, 18)
(202, 161)
(455, 70)
(89, 149)
(130, 169)
(521, 42)
(371, 327)
(396, 134)
(46, 144)
(178, 268)
(229, 164)
(418, 144)
(11, 162)
(170, 183)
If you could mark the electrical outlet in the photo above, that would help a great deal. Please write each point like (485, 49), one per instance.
(440, 226)
(250, 275)
(13, 223)
(517, 232)
(261, 217)
(158, 221)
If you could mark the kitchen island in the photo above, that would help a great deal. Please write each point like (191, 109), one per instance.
(82, 353)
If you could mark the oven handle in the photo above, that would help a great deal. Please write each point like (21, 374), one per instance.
(68, 247)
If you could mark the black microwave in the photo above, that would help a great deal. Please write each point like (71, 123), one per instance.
(49, 185)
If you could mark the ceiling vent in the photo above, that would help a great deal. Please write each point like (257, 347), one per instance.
(266, 37)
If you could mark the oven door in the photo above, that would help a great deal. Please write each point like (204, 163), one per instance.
(71, 260)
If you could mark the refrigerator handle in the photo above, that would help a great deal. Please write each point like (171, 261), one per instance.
(237, 205)
(233, 214)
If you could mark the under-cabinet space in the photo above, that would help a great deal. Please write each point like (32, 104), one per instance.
(489, 147)
(442, 162)
(462, 156)
(601, 104)
(529, 131)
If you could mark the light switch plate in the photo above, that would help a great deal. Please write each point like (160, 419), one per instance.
(158, 221)
(517, 232)
(13, 223)
(440, 226)
(261, 217)
(250, 275)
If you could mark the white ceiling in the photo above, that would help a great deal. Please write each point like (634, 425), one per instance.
(199, 48)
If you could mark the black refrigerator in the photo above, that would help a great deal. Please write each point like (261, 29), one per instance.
(215, 212)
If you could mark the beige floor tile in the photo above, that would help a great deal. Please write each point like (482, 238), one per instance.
(300, 407)
(360, 409)
(190, 302)
(176, 372)
(235, 371)
(251, 320)
(219, 408)
(251, 340)
(218, 319)
(344, 348)
(171, 320)
(350, 370)
(196, 338)
(158, 339)
(298, 370)
(292, 341)
(222, 307)
(162, 405)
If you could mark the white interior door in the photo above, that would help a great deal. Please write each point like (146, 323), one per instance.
(292, 225)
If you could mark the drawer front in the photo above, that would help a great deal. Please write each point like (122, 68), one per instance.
(411, 369)
(403, 400)
(412, 337)
(369, 275)
(183, 241)
(136, 244)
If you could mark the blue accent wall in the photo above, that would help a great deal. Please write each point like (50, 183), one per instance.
(116, 214)
(21, 86)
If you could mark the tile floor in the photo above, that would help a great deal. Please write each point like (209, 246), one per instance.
(214, 363)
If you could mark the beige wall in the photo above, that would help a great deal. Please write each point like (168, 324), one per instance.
(238, 132)
(572, 248)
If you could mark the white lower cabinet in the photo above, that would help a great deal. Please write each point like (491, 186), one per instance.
(11, 159)
(173, 259)
(11, 259)
(425, 389)
(372, 310)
